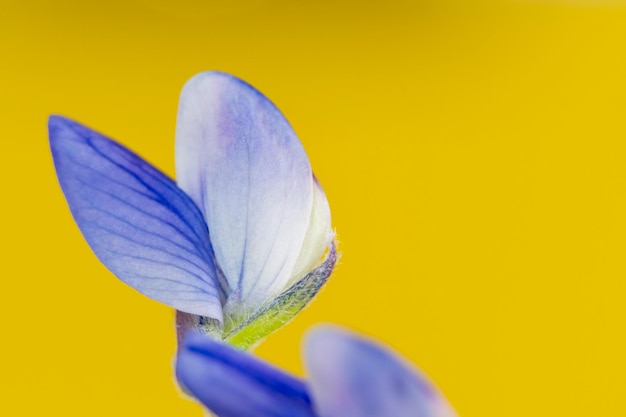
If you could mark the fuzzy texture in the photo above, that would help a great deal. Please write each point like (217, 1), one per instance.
(256, 326)
(282, 309)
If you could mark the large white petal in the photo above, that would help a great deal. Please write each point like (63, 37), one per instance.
(240, 161)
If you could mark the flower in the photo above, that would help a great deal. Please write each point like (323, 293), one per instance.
(348, 377)
(239, 244)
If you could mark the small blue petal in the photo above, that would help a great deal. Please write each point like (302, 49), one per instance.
(232, 383)
(241, 162)
(353, 377)
(136, 220)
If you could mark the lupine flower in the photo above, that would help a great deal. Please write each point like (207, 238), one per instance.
(349, 376)
(239, 244)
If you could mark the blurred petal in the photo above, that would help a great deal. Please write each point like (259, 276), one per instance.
(234, 384)
(240, 161)
(136, 220)
(353, 377)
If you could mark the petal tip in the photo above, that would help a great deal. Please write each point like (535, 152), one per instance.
(323, 335)
(216, 85)
(57, 123)
(63, 130)
(54, 120)
(211, 79)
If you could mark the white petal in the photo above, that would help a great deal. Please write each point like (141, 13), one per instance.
(318, 236)
(240, 161)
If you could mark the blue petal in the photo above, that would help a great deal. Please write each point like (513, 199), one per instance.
(240, 161)
(136, 220)
(234, 384)
(352, 377)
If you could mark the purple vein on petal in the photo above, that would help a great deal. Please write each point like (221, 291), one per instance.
(123, 205)
(238, 158)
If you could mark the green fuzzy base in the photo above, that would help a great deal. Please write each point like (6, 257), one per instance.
(282, 309)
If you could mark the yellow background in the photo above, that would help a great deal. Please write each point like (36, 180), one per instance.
(473, 153)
